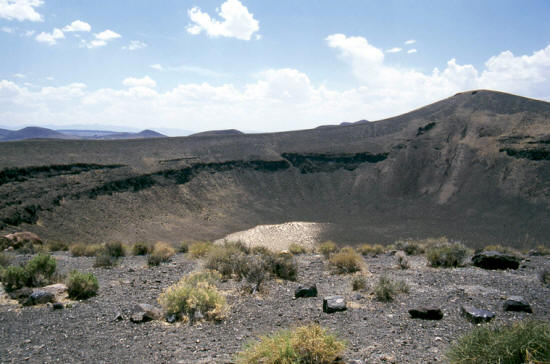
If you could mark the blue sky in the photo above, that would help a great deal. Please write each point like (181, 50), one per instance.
(259, 65)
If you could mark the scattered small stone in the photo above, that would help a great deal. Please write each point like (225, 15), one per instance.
(358, 297)
(171, 318)
(476, 315)
(198, 316)
(426, 313)
(306, 291)
(58, 306)
(495, 260)
(118, 317)
(334, 304)
(518, 304)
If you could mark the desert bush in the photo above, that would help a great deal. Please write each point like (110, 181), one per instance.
(199, 249)
(14, 277)
(282, 265)
(4, 260)
(347, 260)
(84, 250)
(183, 247)
(402, 261)
(82, 285)
(114, 249)
(518, 342)
(296, 249)
(410, 247)
(104, 260)
(260, 250)
(226, 259)
(195, 292)
(310, 344)
(161, 253)
(327, 248)
(57, 246)
(358, 283)
(140, 248)
(40, 270)
(386, 289)
(447, 255)
(368, 249)
(542, 250)
(4, 243)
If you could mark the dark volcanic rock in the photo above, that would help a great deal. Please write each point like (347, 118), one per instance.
(334, 304)
(476, 315)
(58, 306)
(38, 297)
(517, 303)
(426, 313)
(306, 291)
(21, 293)
(495, 260)
(144, 312)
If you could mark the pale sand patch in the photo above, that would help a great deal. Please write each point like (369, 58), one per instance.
(279, 237)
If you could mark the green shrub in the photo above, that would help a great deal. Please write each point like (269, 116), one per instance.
(161, 253)
(347, 260)
(82, 285)
(104, 260)
(410, 247)
(296, 249)
(84, 250)
(519, 342)
(114, 249)
(358, 283)
(327, 248)
(386, 289)
(14, 277)
(4, 260)
(57, 246)
(306, 344)
(199, 249)
(4, 243)
(402, 261)
(195, 292)
(368, 249)
(447, 255)
(282, 265)
(542, 250)
(226, 259)
(140, 248)
(184, 247)
(40, 270)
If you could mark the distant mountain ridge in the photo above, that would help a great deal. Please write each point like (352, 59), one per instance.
(34, 132)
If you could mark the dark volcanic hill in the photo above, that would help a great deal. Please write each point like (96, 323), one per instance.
(34, 132)
(224, 132)
(474, 167)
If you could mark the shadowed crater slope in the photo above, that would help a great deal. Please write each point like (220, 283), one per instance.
(474, 167)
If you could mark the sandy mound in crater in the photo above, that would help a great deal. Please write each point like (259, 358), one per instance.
(280, 236)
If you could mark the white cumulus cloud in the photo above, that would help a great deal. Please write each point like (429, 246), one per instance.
(413, 50)
(237, 22)
(139, 82)
(50, 38)
(135, 45)
(394, 50)
(410, 41)
(157, 67)
(77, 26)
(8, 30)
(20, 10)
(276, 99)
(100, 39)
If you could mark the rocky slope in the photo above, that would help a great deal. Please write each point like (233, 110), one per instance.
(474, 167)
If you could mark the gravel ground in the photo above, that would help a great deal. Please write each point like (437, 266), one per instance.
(374, 331)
